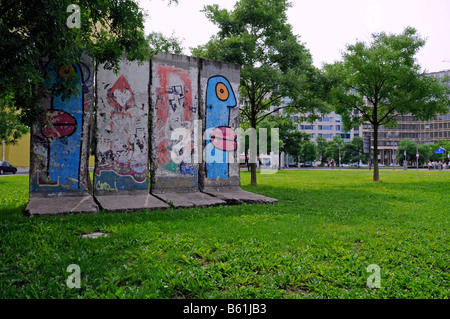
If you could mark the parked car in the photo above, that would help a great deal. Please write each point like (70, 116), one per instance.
(7, 167)
(307, 164)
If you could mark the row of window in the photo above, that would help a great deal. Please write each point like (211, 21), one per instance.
(323, 119)
(413, 135)
(320, 127)
(409, 118)
(346, 136)
(416, 127)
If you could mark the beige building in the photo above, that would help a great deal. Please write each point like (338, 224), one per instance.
(328, 126)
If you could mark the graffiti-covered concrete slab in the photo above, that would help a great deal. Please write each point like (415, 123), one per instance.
(174, 98)
(189, 147)
(121, 167)
(219, 85)
(176, 131)
(60, 142)
(219, 173)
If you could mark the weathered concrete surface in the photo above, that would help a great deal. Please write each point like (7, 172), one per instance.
(40, 206)
(122, 129)
(60, 145)
(219, 111)
(174, 110)
(60, 141)
(130, 203)
(219, 173)
(191, 199)
(237, 197)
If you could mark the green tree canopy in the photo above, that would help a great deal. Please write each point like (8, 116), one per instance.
(160, 43)
(321, 148)
(308, 151)
(354, 151)
(410, 147)
(33, 32)
(275, 64)
(379, 80)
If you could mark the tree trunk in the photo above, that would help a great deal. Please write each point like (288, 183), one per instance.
(376, 173)
(253, 174)
(279, 160)
(253, 151)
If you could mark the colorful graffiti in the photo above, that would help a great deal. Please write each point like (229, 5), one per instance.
(122, 139)
(175, 108)
(220, 138)
(58, 143)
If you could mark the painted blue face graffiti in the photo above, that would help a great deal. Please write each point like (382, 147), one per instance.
(220, 138)
(62, 136)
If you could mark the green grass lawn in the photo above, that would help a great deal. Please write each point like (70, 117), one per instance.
(317, 242)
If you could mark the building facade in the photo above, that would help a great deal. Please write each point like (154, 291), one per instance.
(422, 132)
(328, 126)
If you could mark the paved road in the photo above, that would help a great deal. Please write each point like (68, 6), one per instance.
(20, 171)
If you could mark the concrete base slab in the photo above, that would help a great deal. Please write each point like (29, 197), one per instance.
(238, 197)
(129, 203)
(193, 199)
(60, 205)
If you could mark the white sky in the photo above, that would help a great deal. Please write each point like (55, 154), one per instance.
(325, 26)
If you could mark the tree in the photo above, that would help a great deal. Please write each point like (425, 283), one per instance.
(290, 139)
(275, 65)
(321, 149)
(410, 147)
(308, 152)
(33, 32)
(378, 81)
(425, 152)
(354, 151)
(160, 43)
(440, 144)
(333, 147)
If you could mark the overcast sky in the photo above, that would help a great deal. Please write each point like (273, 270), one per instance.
(325, 26)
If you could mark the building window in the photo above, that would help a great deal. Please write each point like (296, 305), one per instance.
(307, 127)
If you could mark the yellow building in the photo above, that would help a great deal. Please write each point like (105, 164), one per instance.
(19, 154)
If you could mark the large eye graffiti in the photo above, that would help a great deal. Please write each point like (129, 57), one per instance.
(222, 91)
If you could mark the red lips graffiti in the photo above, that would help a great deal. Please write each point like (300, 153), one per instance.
(58, 124)
(224, 138)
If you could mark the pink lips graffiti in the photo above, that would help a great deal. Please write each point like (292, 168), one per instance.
(224, 138)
